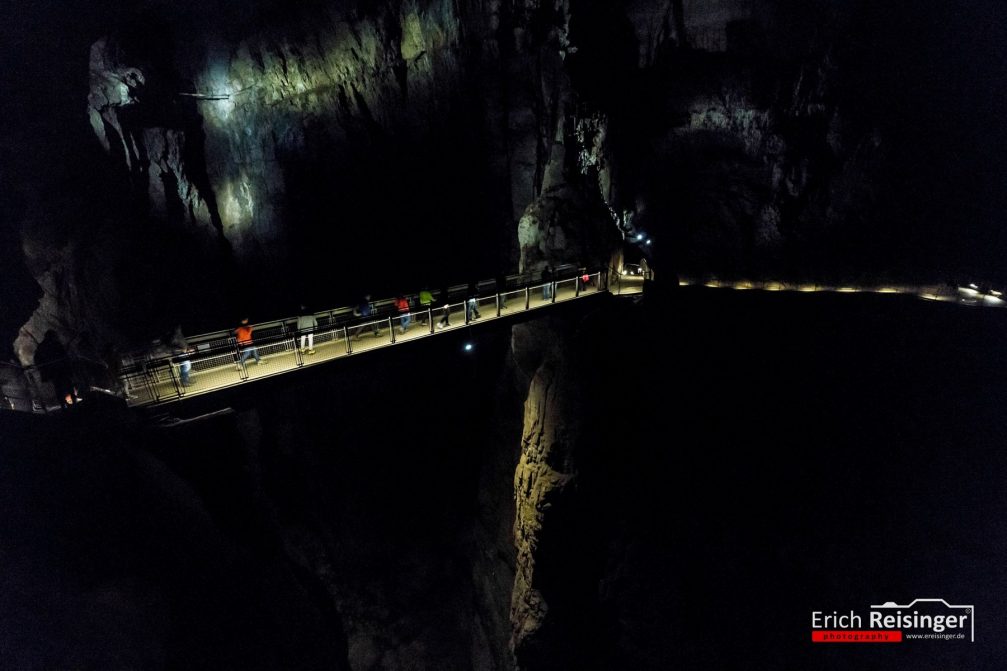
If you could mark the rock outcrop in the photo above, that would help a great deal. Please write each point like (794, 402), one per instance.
(253, 156)
(247, 141)
(560, 519)
(545, 472)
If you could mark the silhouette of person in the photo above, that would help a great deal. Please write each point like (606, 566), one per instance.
(365, 309)
(547, 274)
(472, 309)
(180, 349)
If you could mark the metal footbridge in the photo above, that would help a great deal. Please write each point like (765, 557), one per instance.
(217, 361)
(159, 375)
(152, 377)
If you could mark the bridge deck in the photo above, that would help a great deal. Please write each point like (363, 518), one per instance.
(159, 381)
(153, 376)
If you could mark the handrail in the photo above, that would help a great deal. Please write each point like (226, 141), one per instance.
(384, 307)
(156, 376)
(61, 382)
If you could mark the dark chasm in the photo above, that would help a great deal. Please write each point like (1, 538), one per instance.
(739, 361)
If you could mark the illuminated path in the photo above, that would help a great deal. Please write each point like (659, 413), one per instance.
(153, 377)
(970, 295)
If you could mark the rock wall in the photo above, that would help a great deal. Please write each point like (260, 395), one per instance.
(264, 147)
(254, 156)
(542, 480)
(559, 529)
(272, 149)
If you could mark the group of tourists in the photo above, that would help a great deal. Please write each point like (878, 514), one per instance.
(307, 322)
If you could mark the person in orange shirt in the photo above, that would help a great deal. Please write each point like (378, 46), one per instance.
(402, 305)
(246, 349)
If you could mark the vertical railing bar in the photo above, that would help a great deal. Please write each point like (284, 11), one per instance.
(151, 382)
(296, 346)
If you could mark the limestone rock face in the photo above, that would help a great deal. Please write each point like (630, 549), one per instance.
(251, 139)
(79, 299)
(560, 227)
(323, 89)
(113, 86)
(554, 621)
(329, 90)
(761, 194)
(543, 473)
(153, 141)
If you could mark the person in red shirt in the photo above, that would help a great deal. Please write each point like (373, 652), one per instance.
(243, 334)
(402, 305)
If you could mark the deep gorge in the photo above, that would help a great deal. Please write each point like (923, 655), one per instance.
(593, 489)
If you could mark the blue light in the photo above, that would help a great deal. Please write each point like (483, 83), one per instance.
(639, 237)
(648, 241)
(469, 347)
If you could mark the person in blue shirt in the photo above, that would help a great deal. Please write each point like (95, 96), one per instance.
(181, 350)
(472, 309)
(365, 310)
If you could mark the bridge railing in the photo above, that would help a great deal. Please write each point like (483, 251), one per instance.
(341, 316)
(626, 280)
(156, 374)
(513, 298)
(49, 386)
(16, 391)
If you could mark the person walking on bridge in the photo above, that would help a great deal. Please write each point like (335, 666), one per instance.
(306, 325)
(243, 335)
(181, 350)
(426, 302)
(365, 309)
(547, 282)
(445, 320)
(402, 305)
(472, 308)
(501, 287)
